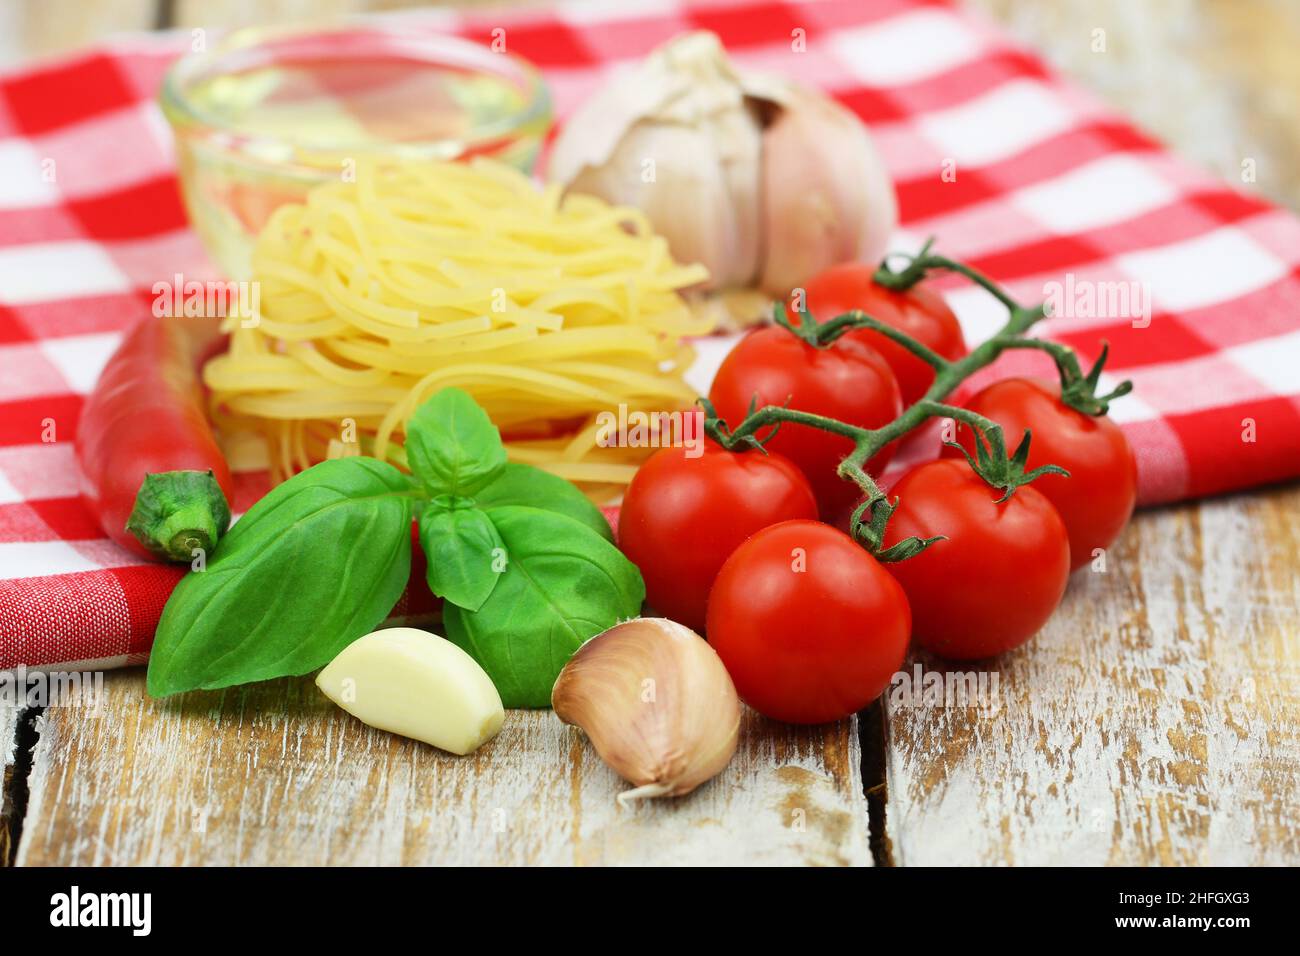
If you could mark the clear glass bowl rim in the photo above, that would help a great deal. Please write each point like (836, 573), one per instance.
(437, 47)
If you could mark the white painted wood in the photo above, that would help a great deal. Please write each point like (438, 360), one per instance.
(277, 775)
(8, 751)
(53, 27)
(8, 734)
(1156, 720)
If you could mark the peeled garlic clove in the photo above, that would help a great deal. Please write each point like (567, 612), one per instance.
(416, 684)
(656, 702)
(827, 197)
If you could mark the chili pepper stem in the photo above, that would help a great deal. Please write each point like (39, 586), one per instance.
(179, 512)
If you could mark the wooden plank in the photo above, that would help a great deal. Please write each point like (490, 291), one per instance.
(225, 14)
(275, 774)
(57, 26)
(8, 752)
(228, 14)
(1223, 88)
(1156, 720)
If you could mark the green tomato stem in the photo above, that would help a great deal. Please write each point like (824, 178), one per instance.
(870, 518)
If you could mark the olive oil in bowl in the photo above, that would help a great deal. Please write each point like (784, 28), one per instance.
(268, 114)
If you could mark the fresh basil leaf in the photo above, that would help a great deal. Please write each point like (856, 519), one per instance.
(311, 567)
(520, 484)
(452, 446)
(562, 584)
(465, 554)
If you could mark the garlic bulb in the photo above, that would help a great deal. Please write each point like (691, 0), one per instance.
(761, 181)
(656, 702)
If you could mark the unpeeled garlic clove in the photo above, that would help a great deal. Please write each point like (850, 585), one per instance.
(827, 197)
(707, 211)
(678, 138)
(656, 702)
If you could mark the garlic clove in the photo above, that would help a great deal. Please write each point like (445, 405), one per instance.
(698, 185)
(683, 82)
(656, 702)
(679, 138)
(417, 684)
(827, 197)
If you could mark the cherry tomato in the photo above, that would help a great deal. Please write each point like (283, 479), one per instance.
(999, 575)
(810, 626)
(683, 516)
(1097, 500)
(920, 312)
(847, 381)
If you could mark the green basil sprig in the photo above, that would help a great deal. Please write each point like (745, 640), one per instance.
(525, 485)
(314, 565)
(463, 549)
(452, 446)
(523, 561)
(562, 585)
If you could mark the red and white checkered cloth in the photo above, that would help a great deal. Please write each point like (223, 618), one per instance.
(1048, 184)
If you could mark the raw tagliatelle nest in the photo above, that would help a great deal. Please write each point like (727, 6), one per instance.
(376, 293)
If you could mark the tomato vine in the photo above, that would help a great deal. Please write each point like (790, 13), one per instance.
(992, 462)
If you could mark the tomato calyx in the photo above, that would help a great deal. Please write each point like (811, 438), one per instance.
(867, 527)
(919, 266)
(991, 462)
(1080, 391)
(822, 335)
(720, 432)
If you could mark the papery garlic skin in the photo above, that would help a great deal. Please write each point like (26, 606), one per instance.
(656, 702)
(703, 198)
(417, 684)
(759, 180)
(827, 197)
(677, 139)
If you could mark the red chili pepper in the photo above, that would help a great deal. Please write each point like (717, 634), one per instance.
(151, 470)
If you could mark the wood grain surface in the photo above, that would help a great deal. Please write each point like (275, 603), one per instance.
(1218, 80)
(36, 28)
(8, 751)
(276, 774)
(1156, 720)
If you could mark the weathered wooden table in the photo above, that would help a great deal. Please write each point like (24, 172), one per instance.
(1156, 720)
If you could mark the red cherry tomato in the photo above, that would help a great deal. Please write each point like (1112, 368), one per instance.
(920, 312)
(810, 626)
(846, 381)
(999, 575)
(682, 517)
(1097, 500)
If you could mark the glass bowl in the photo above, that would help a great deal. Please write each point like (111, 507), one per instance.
(268, 113)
